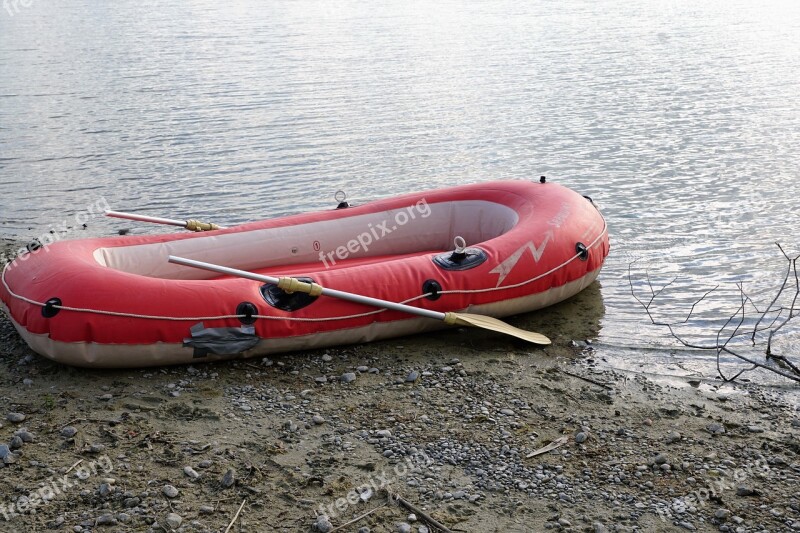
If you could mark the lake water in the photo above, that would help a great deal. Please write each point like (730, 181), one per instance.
(680, 118)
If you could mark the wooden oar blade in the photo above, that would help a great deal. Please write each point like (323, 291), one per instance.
(493, 324)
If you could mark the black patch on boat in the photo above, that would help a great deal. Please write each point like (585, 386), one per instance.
(432, 288)
(285, 301)
(220, 341)
(48, 311)
(582, 251)
(469, 258)
(248, 310)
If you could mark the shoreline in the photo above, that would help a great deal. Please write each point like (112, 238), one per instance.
(448, 420)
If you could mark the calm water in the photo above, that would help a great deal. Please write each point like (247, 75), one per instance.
(680, 118)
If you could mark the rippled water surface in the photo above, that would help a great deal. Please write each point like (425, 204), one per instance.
(680, 118)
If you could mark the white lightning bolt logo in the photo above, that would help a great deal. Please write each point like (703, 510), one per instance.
(505, 268)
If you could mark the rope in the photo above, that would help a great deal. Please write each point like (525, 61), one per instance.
(296, 319)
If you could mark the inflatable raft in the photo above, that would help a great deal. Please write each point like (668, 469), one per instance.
(118, 302)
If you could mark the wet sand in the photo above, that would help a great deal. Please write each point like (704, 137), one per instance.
(449, 421)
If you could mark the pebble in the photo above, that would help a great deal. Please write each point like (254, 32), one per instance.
(581, 437)
(229, 478)
(318, 420)
(745, 490)
(715, 429)
(174, 520)
(507, 412)
(348, 377)
(24, 434)
(661, 459)
(191, 472)
(15, 442)
(69, 432)
(106, 520)
(600, 528)
(206, 509)
(423, 529)
(5, 451)
(321, 379)
(563, 522)
(411, 377)
(673, 437)
(105, 490)
(687, 525)
(327, 358)
(403, 527)
(16, 417)
(363, 369)
(170, 491)
(322, 524)
(722, 514)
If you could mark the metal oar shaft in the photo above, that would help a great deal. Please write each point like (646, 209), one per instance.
(357, 298)
(144, 218)
(193, 225)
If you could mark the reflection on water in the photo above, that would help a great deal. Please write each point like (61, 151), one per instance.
(680, 119)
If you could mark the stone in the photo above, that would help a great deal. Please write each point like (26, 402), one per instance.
(581, 437)
(174, 520)
(229, 478)
(412, 376)
(746, 490)
(403, 527)
(191, 472)
(348, 377)
(323, 524)
(16, 418)
(68, 432)
(106, 520)
(715, 429)
(318, 420)
(170, 491)
(661, 459)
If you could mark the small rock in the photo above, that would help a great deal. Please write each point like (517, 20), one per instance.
(105, 490)
(384, 434)
(323, 524)
(106, 520)
(687, 525)
(507, 412)
(348, 377)
(715, 429)
(673, 437)
(229, 478)
(318, 420)
(363, 369)
(327, 358)
(661, 459)
(581, 437)
(27, 382)
(403, 527)
(423, 529)
(745, 490)
(15, 443)
(24, 434)
(722, 514)
(755, 429)
(600, 528)
(5, 451)
(69, 432)
(124, 518)
(191, 472)
(411, 378)
(321, 379)
(16, 417)
(174, 520)
(206, 509)
(170, 491)
(412, 517)
(563, 522)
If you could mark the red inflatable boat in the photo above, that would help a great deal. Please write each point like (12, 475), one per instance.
(118, 302)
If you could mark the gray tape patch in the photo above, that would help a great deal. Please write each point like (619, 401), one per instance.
(221, 341)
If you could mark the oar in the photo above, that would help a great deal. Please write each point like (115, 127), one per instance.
(295, 285)
(192, 225)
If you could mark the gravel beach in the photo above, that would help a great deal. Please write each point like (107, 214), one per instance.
(471, 430)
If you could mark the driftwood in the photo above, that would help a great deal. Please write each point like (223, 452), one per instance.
(762, 322)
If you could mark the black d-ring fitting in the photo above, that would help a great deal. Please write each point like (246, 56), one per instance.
(432, 288)
(48, 310)
(248, 310)
(582, 251)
